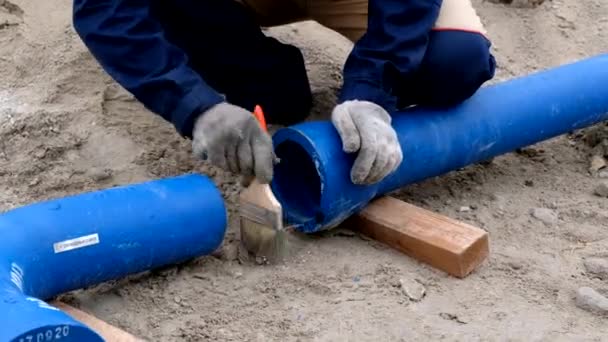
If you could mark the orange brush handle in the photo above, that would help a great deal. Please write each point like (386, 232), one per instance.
(259, 114)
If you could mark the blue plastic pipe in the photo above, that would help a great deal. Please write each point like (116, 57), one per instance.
(53, 247)
(312, 181)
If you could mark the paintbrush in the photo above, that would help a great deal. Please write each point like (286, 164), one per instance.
(261, 217)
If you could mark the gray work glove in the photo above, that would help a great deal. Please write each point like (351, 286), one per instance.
(366, 127)
(232, 139)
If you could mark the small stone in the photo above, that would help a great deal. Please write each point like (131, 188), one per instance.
(603, 174)
(464, 209)
(412, 289)
(597, 162)
(100, 175)
(597, 267)
(545, 215)
(516, 265)
(260, 260)
(591, 300)
(602, 189)
(177, 299)
(39, 154)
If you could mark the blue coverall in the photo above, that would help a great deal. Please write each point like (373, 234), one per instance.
(180, 57)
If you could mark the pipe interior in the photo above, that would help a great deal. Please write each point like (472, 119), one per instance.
(296, 183)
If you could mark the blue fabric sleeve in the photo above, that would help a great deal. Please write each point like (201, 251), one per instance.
(130, 46)
(390, 51)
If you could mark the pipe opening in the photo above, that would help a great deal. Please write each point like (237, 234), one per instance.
(297, 184)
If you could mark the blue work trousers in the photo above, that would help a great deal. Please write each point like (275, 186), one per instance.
(181, 57)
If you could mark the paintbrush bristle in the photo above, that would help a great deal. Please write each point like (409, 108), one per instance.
(261, 221)
(262, 240)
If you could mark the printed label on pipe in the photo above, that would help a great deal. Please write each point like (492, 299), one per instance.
(83, 241)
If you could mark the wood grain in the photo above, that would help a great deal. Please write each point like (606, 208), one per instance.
(442, 242)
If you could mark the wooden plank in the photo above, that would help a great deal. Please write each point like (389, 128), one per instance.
(108, 332)
(442, 242)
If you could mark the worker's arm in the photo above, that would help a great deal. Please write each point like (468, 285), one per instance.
(392, 48)
(131, 47)
(390, 51)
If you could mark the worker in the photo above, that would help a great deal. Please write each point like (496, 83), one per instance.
(204, 65)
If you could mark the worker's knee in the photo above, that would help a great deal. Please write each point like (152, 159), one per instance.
(455, 66)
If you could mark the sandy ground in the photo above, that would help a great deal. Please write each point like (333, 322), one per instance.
(66, 127)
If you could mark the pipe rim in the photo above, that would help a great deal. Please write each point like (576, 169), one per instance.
(301, 202)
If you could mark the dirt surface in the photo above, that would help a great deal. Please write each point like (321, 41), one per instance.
(66, 127)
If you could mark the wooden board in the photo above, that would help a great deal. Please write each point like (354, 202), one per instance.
(108, 332)
(442, 242)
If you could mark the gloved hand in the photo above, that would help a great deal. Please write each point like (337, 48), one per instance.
(366, 127)
(232, 139)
